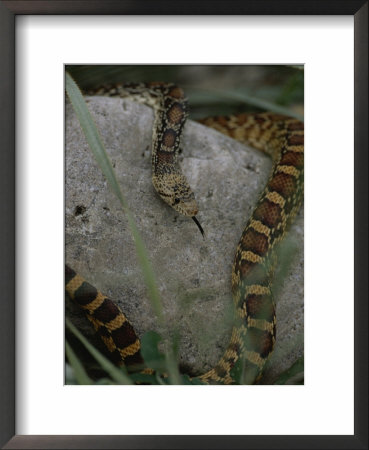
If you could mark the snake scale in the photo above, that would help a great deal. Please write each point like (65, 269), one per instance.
(254, 330)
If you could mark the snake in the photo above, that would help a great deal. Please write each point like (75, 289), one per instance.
(253, 334)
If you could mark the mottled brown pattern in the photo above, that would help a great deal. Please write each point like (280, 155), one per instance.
(295, 126)
(269, 213)
(223, 120)
(260, 307)
(284, 184)
(175, 114)
(245, 267)
(254, 273)
(264, 131)
(242, 119)
(234, 347)
(220, 371)
(176, 92)
(165, 157)
(169, 138)
(260, 120)
(293, 159)
(254, 241)
(296, 139)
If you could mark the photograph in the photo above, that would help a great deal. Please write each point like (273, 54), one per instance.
(184, 244)
(165, 234)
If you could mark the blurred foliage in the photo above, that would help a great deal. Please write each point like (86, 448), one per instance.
(211, 89)
(78, 372)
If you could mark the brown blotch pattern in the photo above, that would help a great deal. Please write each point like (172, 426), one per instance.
(165, 157)
(259, 120)
(293, 159)
(220, 371)
(223, 120)
(234, 346)
(135, 359)
(69, 274)
(260, 307)
(242, 118)
(124, 336)
(296, 139)
(255, 272)
(107, 311)
(231, 359)
(259, 341)
(169, 138)
(175, 114)
(103, 331)
(116, 357)
(245, 267)
(176, 92)
(85, 294)
(283, 183)
(295, 126)
(254, 241)
(269, 213)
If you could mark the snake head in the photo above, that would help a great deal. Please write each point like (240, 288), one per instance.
(174, 189)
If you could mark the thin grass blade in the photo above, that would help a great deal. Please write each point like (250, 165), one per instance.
(95, 143)
(79, 372)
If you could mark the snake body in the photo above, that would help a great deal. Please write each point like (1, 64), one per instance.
(254, 331)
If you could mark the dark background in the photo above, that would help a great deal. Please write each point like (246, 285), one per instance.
(211, 89)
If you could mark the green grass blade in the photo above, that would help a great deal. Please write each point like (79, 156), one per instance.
(95, 143)
(116, 374)
(79, 372)
(162, 363)
(92, 135)
(69, 376)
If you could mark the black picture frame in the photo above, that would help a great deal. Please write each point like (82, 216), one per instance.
(8, 11)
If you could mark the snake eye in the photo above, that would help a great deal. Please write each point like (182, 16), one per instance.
(176, 201)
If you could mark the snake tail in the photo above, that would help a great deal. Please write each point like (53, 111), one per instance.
(108, 320)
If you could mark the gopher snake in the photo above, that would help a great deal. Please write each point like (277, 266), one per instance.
(254, 330)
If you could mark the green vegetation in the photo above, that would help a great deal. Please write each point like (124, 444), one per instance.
(212, 89)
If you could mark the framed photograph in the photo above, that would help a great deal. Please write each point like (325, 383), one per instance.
(202, 312)
(120, 124)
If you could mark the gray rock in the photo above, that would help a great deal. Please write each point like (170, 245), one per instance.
(193, 273)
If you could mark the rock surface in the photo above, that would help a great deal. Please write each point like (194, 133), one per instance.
(193, 274)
